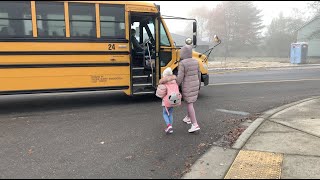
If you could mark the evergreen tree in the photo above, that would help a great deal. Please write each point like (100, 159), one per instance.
(239, 25)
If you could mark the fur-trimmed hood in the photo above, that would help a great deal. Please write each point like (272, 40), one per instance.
(167, 79)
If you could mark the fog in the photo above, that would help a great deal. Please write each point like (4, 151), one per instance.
(270, 9)
(246, 28)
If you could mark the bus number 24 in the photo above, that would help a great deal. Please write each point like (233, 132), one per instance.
(111, 47)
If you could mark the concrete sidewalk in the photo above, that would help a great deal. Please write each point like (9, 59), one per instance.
(282, 143)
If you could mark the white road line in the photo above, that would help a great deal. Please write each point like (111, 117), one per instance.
(233, 112)
(256, 82)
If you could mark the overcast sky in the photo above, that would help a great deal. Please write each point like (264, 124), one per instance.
(270, 9)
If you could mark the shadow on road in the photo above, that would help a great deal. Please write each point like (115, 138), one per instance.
(38, 102)
(10, 104)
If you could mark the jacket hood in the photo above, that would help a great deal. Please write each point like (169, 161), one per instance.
(167, 72)
(186, 52)
(167, 79)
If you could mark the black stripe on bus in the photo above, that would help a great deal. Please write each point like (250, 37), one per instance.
(64, 53)
(67, 40)
(12, 66)
(64, 90)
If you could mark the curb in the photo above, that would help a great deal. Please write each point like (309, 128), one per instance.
(199, 171)
(223, 71)
(236, 147)
(231, 71)
(243, 138)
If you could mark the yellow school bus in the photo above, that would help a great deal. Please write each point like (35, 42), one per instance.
(67, 46)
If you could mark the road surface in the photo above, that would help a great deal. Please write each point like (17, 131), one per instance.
(111, 135)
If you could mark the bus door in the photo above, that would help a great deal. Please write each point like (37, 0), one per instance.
(168, 53)
(144, 42)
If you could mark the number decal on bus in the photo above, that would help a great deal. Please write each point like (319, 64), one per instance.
(111, 47)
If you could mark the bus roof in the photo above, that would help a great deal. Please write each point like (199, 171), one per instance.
(139, 3)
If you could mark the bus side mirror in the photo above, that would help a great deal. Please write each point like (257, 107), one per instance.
(188, 41)
(216, 39)
(194, 33)
(194, 27)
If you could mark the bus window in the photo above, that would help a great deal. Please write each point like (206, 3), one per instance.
(151, 28)
(4, 24)
(15, 19)
(147, 26)
(164, 40)
(50, 19)
(112, 21)
(136, 26)
(82, 20)
(148, 30)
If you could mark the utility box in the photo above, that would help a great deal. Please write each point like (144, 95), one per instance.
(299, 53)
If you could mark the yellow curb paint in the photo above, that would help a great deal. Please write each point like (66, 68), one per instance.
(255, 165)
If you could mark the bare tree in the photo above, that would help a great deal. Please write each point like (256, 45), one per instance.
(314, 6)
(239, 25)
(201, 14)
(281, 33)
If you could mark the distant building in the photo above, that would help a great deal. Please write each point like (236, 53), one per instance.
(310, 33)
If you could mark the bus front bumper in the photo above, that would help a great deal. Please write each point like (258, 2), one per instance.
(205, 79)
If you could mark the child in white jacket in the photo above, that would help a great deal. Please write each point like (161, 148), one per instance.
(168, 78)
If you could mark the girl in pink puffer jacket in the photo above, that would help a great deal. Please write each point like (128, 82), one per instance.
(168, 78)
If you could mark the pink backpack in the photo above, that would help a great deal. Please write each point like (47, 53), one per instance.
(173, 97)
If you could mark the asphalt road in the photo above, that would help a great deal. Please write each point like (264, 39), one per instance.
(269, 74)
(111, 135)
